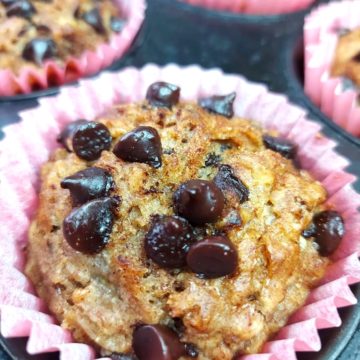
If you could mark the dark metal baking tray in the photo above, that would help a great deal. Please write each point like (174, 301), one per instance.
(265, 49)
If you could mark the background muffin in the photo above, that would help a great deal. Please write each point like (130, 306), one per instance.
(37, 31)
(48, 43)
(332, 44)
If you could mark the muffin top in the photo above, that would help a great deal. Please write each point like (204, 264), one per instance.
(180, 224)
(346, 62)
(33, 31)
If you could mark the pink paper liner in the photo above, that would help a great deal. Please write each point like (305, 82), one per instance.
(29, 143)
(320, 40)
(259, 7)
(89, 63)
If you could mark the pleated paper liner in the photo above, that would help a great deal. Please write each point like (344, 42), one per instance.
(259, 7)
(28, 144)
(321, 35)
(90, 62)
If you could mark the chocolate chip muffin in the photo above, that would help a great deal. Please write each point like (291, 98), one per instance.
(347, 56)
(33, 31)
(169, 230)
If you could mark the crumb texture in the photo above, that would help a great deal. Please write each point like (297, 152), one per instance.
(101, 298)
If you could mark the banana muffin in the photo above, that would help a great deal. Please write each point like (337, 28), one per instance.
(33, 31)
(171, 230)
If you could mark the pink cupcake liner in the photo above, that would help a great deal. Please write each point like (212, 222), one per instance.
(320, 40)
(88, 63)
(29, 143)
(259, 7)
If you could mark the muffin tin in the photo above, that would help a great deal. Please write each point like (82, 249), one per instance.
(265, 49)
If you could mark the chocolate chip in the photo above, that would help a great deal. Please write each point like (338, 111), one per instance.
(65, 137)
(93, 18)
(177, 325)
(20, 8)
(225, 179)
(88, 228)
(221, 105)
(168, 241)
(212, 159)
(284, 147)
(117, 24)
(54, 228)
(213, 257)
(179, 286)
(38, 50)
(356, 57)
(43, 29)
(191, 350)
(90, 139)
(140, 145)
(89, 184)
(157, 342)
(199, 201)
(330, 229)
(162, 94)
(77, 12)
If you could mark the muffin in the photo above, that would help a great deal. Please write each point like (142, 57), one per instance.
(24, 314)
(346, 62)
(332, 45)
(53, 30)
(174, 230)
(62, 39)
(258, 7)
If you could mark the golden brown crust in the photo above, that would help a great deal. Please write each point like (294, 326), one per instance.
(72, 35)
(345, 62)
(102, 297)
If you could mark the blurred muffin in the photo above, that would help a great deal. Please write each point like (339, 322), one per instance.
(346, 61)
(35, 31)
(47, 43)
(332, 71)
